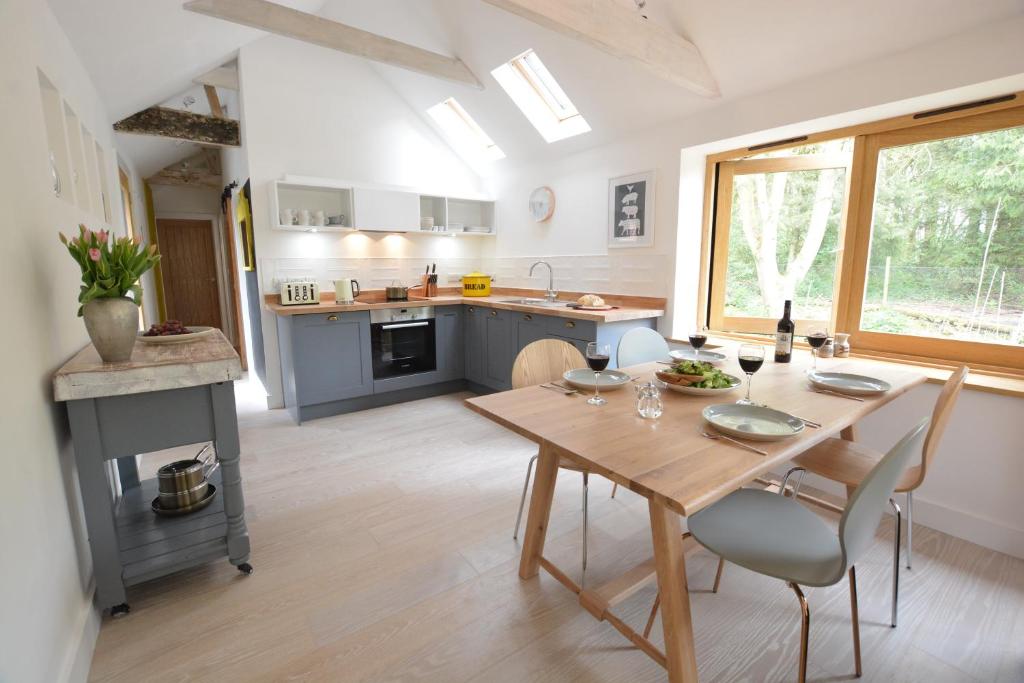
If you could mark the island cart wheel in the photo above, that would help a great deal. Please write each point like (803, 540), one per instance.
(245, 568)
(118, 611)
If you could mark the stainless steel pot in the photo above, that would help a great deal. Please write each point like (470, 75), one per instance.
(184, 482)
(395, 292)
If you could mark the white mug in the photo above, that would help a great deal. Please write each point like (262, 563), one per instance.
(345, 291)
(303, 216)
(319, 218)
(287, 216)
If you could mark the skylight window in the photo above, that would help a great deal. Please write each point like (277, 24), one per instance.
(538, 95)
(465, 134)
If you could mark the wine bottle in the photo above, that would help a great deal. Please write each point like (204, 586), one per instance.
(784, 336)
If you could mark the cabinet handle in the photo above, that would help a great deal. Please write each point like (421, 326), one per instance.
(472, 310)
(494, 313)
(332, 317)
(527, 317)
(570, 324)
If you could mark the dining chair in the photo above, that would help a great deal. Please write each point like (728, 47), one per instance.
(639, 345)
(540, 362)
(776, 536)
(849, 462)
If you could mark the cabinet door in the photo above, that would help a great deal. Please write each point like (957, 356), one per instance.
(331, 357)
(473, 328)
(499, 349)
(530, 327)
(385, 210)
(450, 353)
(578, 343)
(585, 330)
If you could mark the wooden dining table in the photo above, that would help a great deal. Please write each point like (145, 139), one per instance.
(671, 463)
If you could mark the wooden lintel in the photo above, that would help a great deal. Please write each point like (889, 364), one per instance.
(221, 77)
(214, 101)
(182, 125)
(311, 28)
(621, 31)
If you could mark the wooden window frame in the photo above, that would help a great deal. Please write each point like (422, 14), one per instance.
(855, 229)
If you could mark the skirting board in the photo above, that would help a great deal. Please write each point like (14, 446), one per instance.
(78, 658)
(989, 533)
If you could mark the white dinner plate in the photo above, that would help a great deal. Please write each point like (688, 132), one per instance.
(756, 423)
(845, 383)
(194, 332)
(583, 378)
(712, 357)
(697, 391)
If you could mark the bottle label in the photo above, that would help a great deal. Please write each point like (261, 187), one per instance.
(783, 343)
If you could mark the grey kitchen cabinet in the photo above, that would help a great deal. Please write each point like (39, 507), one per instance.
(325, 357)
(450, 343)
(474, 342)
(499, 349)
(580, 344)
(530, 327)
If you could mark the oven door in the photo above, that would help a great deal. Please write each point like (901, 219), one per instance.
(403, 348)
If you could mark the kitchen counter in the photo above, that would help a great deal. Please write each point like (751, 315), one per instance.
(152, 367)
(629, 307)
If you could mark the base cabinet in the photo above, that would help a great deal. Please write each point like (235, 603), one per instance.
(450, 343)
(499, 349)
(474, 342)
(325, 357)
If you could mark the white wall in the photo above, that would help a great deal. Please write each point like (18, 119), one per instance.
(315, 112)
(47, 623)
(973, 490)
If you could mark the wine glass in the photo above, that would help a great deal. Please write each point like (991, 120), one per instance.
(816, 338)
(697, 340)
(598, 356)
(751, 357)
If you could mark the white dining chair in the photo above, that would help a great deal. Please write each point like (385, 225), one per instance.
(641, 345)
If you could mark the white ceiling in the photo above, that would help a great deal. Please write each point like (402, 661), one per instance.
(140, 53)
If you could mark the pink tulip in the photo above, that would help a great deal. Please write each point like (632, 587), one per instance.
(86, 234)
(94, 254)
(101, 236)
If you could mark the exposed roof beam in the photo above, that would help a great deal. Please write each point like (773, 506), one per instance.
(310, 28)
(202, 169)
(622, 32)
(221, 77)
(182, 125)
(214, 101)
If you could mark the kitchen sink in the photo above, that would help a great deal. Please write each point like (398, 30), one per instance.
(534, 302)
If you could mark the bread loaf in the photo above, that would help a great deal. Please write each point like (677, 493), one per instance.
(590, 300)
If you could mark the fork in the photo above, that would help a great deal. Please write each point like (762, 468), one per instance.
(836, 393)
(560, 389)
(732, 441)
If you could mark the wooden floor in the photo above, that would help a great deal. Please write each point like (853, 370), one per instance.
(383, 549)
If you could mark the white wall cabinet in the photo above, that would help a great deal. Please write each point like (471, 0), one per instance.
(386, 210)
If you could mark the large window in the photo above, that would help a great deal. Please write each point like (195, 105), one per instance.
(910, 238)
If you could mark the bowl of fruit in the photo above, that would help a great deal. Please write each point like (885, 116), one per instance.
(172, 332)
(697, 378)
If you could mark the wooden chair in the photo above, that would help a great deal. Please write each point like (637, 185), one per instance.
(541, 362)
(849, 462)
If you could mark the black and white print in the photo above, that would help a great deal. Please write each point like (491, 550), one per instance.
(630, 205)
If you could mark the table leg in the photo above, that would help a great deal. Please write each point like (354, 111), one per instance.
(540, 510)
(676, 622)
(227, 447)
(848, 433)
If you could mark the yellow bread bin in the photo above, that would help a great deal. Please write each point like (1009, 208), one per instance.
(476, 284)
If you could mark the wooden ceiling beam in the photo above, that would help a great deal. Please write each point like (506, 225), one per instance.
(622, 32)
(221, 77)
(214, 101)
(182, 125)
(311, 28)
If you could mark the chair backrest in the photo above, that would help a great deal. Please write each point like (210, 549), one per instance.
(640, 345)
(865, 507)
(940, 418)
(545, 361)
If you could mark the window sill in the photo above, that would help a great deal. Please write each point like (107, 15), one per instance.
(993, 380)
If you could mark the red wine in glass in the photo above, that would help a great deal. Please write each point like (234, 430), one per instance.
(697, 340)
(816, 340)
(751, 364)
(597, 363)
(751, 358)
(598, 356)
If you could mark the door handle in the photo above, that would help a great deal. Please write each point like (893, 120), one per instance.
(422, 323)
(332, 318)
(494, 313)
(527, 317)
(570, 324)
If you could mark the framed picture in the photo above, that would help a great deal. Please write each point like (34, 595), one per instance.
(631, 210)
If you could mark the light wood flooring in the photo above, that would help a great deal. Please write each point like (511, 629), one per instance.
(383, 549)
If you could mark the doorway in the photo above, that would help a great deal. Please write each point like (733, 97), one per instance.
(189, 265)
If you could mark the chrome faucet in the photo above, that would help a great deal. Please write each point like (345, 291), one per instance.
(551, 294)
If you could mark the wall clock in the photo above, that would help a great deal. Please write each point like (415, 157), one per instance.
(542, 204)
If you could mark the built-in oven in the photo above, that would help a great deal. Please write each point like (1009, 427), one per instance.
(402, 341)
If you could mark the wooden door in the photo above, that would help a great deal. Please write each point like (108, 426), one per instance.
(189, 266)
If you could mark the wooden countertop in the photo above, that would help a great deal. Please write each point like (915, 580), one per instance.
(629, 307)
(153, 367)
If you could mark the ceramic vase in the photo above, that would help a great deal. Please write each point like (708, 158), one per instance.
(112, 325)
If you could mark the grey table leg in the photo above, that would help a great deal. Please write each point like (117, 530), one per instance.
(128, 472)
(228, 450)
(96, 500)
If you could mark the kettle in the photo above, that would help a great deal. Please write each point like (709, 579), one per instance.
(345, 291)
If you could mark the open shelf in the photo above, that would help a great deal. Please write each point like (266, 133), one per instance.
(335, 202)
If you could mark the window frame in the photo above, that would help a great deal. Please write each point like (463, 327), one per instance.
(855, 230)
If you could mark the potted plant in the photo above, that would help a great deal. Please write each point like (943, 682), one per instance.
(110, 270)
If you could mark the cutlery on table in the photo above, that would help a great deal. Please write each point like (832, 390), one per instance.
(809, 423)
(560, 389)
(732, 441)
(836, 393)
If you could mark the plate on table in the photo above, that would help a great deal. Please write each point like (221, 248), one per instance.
(701, 355)
(756, 423)
(583, 378)
(845, 383)
(194, 332)
(700, 391)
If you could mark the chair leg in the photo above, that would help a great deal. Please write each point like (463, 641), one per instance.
(586, 487)
(522, 499)
(855, 618)
(895, 562)
(805, 628)
(910, 527)
(654, 613)
(718, 574)
(615, 487)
